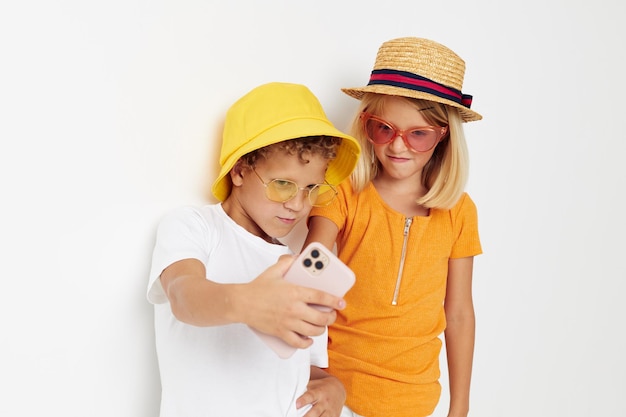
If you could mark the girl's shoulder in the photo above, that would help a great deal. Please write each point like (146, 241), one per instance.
(347, 189)
(464, 208)
(465, 202)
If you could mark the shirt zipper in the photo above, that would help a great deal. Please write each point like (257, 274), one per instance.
(407, 225)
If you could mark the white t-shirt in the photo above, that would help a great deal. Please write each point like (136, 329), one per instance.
(222, 370)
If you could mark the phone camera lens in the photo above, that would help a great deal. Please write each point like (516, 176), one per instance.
(319, 264)
(307, 262)
(315, 253)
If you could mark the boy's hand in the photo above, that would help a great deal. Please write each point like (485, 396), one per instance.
(277, 307)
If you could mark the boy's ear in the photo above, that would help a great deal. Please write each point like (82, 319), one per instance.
(235, 173)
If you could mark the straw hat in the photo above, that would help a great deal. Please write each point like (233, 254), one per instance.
(419, 68)
(273, 113)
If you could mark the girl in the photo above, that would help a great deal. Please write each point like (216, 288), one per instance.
(405, 226)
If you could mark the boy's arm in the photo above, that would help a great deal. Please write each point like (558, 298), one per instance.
(268, 303)
(459, 333)
(326, 394)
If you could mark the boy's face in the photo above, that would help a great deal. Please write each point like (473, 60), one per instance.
(249, 206)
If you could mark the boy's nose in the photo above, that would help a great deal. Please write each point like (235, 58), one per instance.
(298, 201)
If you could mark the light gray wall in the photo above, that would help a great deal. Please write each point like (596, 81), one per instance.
(110, 114)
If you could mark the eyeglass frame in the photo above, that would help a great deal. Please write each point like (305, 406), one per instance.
(397, 132)
(307, 189)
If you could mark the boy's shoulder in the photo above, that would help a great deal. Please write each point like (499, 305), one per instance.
(207, 212)
(199, 218)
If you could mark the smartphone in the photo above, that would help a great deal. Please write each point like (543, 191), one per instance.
(316, 267)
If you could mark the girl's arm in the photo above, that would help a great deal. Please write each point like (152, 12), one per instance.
(321, 230)
(324, 391)
(459, 333)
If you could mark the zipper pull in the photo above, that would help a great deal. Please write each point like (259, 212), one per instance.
(407, 225)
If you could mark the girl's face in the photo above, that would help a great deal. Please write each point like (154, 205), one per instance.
(249, 205)
(397, 160)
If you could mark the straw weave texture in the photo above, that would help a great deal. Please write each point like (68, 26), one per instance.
(425, 58)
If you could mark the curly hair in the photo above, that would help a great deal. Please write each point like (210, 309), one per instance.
(325, 146)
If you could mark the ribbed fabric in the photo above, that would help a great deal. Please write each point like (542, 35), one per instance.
(387, 356)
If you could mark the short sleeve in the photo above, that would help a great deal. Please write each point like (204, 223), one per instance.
(465, 224)
(181, 234)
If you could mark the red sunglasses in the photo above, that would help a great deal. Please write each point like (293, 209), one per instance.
(417, 139)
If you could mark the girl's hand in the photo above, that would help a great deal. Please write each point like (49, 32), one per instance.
(325, 393)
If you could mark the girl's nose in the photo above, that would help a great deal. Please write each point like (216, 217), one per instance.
(397, 143)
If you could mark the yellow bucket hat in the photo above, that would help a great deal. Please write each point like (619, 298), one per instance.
(273, 113)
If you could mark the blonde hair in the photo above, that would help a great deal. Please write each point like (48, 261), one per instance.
(445, 174)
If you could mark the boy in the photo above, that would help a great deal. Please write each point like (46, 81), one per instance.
(217, 270)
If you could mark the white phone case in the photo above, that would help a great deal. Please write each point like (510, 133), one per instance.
(316, 267)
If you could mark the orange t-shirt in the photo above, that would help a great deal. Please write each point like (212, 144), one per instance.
(386, 352)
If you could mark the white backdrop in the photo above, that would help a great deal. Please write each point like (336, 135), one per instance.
(110, 115)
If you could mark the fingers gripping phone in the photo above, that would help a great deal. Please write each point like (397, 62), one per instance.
(316, 267)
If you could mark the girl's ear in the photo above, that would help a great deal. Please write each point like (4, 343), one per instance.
(236, 174)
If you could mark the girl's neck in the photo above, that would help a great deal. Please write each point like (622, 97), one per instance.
(401, 195)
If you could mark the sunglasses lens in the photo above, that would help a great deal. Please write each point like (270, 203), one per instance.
(378, 131)
(322, 194)
(422, 139)
(281, 190)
